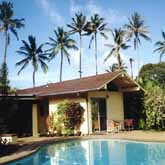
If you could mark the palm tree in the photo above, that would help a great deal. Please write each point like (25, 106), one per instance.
(115, 67)
(8, 24)
(131, 60)
(94, 27)
(137, 29)
(160, 46)
(61, 44)
(119, 44)
(32, 54)
(77, 26)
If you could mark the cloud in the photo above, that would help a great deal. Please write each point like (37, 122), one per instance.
(50, 10)
(112, 16)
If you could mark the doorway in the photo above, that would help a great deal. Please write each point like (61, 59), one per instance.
(99, 115)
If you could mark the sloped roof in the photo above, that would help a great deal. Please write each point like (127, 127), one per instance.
(72, 86)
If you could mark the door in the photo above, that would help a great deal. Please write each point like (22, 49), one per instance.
(99, 115)
(103, 114)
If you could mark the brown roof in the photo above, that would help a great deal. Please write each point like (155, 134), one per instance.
(72, 86)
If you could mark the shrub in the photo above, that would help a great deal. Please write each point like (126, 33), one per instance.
(154, 104)
(71, 114)
(66, 119)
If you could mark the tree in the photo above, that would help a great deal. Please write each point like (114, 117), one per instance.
(4, 82)
(160, 46)
(77, 26)
(61, 44)
(94, 27)
(34, 54)
(131, 60)
(115, 67)
(137, 29)
(152, 75)
(8, 24)
(154, 104)
(119, 44)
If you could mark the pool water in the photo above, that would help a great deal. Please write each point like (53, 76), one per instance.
(97, 152)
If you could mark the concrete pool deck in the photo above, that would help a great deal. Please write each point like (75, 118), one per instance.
(32, 144)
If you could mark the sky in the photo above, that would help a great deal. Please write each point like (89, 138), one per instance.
(43, 16)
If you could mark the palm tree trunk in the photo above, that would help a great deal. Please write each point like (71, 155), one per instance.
(61, 66)
(119, 61)
(80, 57)
(34, 78)
(131, 69)
(138, 56)
(5, 45)
(96, 52)
(160, 58)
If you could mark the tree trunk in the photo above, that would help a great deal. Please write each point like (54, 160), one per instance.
(61, 66)
(131, 69)
(119, 61)
(138, 56)
(34, 78)
(80, 71)
(5, 45)
(96, 52)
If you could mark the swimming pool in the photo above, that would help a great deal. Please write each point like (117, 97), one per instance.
(97, 152)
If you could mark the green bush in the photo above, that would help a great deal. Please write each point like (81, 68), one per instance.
(142, 124)
(154, 104)
(67, 118)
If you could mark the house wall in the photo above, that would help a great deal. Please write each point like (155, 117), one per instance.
(53, 103)
(114, 105)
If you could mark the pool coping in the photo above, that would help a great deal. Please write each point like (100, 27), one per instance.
(33, 147)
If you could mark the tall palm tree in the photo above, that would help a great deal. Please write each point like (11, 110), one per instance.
(131, 60)
(60, 45)
(32, 54)
(137, 29)
(94, 27)
(77, 26)
(119, 44)
(160, 46)
(8, 24)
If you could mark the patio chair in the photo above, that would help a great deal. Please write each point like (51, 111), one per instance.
(121, 125)
(112, 126)
(128, 124)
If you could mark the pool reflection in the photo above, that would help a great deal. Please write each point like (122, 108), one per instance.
(98, 152)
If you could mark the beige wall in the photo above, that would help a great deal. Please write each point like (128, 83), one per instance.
(34, 120)
(115, 110)
(53, 103)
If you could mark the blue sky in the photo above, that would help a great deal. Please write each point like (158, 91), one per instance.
(43, 16)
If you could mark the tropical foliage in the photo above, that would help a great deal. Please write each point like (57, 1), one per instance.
(119, 44)
(60, 45)
(160, 46)
(67, 118)
(115, 67)
(4, 82)
(137, 29)
(32, 54)
(8, 24)
(152, 75)
(94, 27)
(154, 104)
(78, 26)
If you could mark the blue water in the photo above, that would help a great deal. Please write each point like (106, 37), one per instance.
(97, 152)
